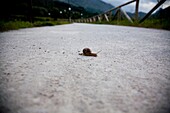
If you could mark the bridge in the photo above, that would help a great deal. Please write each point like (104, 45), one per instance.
(107, 15)
(41, 70)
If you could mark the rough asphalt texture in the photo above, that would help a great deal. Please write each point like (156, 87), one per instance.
(41, 71)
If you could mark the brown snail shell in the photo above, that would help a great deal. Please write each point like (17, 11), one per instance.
(87, 52)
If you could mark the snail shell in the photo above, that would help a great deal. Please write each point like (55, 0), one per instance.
(87, 52)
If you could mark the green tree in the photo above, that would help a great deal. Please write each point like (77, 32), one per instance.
(39, 11)
(54, 12)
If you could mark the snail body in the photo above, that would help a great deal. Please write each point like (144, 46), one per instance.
(87, 52)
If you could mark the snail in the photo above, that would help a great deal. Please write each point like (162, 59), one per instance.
(87, 52)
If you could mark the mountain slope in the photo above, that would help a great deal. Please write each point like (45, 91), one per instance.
(90, 5)
(163, 13)
(140, 15)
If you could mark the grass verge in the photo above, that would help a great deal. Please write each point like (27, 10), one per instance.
(150, 23)
(13, 25)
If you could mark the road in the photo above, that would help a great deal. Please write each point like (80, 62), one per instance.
(41, 71)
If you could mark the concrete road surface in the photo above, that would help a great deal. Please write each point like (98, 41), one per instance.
(41, 71)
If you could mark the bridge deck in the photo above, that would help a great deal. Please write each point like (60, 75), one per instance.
(41, 71)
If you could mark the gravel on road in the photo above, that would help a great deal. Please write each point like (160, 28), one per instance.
(41, 70)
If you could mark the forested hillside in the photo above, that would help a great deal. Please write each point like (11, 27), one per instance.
(26, 9)
(90, 5)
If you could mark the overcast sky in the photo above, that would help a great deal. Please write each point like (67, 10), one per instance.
(144, 5)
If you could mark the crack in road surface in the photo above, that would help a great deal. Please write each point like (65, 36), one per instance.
(41, 71)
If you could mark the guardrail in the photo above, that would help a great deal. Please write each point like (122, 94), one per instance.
(107, 15)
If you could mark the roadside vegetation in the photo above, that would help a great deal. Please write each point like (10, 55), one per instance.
(156, 23)
(16, 14)
(18, 24)
(149, 23)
